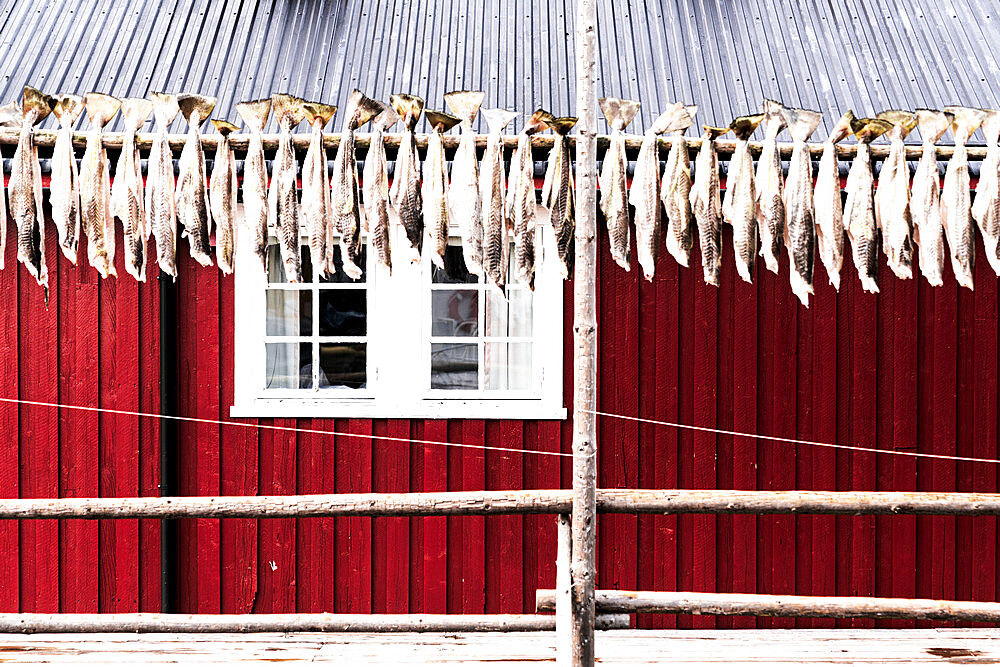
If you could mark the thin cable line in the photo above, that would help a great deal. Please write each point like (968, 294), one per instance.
(272, 427)
(813, 443)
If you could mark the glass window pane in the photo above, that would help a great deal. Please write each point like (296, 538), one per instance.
(289, 312)
(339, 276)
(343, 365)
(289, 366)
(507, 366)
(454, 270)
(276, 268)
(343, 312)
(454, 366)
(510, 316)
(454, 312)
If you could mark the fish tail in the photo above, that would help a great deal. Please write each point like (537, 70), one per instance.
(165, 109)
(288, 109)
(316, 112)
(254, 113)
(675, 118)
(801, 122)
(966, 121)
(903, 122)
(618, 112)
(932, 124)
(991, 126)
(67, 109)
(361, 109)
(774, 113)
(35, 104)
(465, 103)
(869, 129)
(440, 121)
(224, 127)
(408, 107)
(744, 126)
(192, 104)
(498, 119)
(386, 118)
(136, 112)
(539, 121)
(101, 108)
(563, 124)
(842, 129)
(714, 132)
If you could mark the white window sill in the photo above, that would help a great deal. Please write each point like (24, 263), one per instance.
(359, 408)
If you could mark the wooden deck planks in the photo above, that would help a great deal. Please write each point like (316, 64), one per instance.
(619, 647)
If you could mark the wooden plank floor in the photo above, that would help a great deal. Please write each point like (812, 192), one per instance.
(616, 647)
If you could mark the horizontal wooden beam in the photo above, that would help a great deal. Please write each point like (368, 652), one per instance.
(200, 623)
(469, 503)
(735, 604)
(541, 143)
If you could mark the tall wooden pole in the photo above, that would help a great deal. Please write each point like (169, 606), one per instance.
(585, 341)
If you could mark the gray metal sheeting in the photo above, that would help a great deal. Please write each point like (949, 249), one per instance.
(724, 55)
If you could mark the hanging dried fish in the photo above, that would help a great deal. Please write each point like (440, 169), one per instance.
(496, 230)
(95, 187)
(435, 186)
(739, 206)
(892, 196)
(256, 210)
(800, 228)
(25, 188)
(405, 192)
(345, 199)
(644, 195)
(770, 199)
(222, 195)
(675, 193)
(64, 187)
(986, 208)
(706, 204)
(614, 191)
(859, 211)
(925, 197)
(464, 197)
(521, 203)
(828, 205)
(160, 204)
(282, 202)
(316, 210)
(956, 212)
(192, 191)
(376, 187)
(557, 194)
(127, 197)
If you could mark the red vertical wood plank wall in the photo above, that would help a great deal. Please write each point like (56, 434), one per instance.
(912, 369)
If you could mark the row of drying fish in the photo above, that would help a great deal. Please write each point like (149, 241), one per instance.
(767, 211)
(426, 202)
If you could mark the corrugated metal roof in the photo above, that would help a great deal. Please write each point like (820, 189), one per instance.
(724, 55)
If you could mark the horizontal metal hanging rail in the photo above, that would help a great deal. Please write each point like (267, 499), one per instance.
(737, 604)
(469, 503)
(541, 143)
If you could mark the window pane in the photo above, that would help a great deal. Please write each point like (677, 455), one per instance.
(343, 312)
(289, 366)
(343, 365)
(340, 276)
(510, 316)
(276, 268)
(454, 312)
(454, 270)
(507, 366)
(289, 312)
(454, 366)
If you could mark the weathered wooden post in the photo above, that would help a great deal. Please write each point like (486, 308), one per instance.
(585, 341)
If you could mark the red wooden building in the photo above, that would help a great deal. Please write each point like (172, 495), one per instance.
(912, 369)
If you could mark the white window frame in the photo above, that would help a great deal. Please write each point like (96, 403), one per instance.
(398, 339)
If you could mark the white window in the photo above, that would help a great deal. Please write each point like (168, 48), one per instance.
(421, 342)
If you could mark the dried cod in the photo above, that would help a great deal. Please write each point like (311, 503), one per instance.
(614, 191)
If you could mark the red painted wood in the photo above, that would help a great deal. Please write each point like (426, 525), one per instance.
(914, 367)
(79, 371)
(9, 425)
